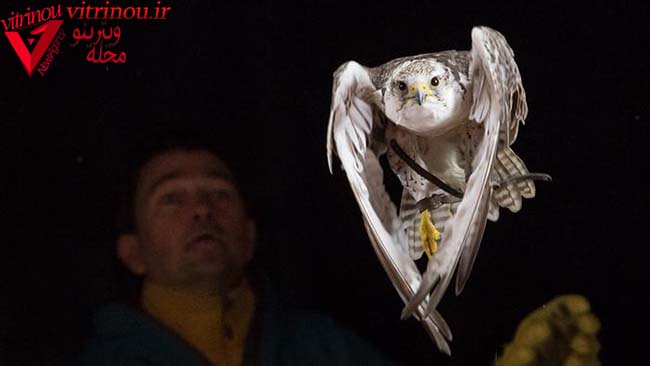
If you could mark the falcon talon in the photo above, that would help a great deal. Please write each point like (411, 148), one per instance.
(531, 176)
(429, 234)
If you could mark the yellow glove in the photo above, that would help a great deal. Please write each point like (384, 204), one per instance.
(560, 333)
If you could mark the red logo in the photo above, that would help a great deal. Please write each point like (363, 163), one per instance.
(45, 34)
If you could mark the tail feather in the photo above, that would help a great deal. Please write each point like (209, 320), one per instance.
(493, 213)
(408, 212)
(509, 195)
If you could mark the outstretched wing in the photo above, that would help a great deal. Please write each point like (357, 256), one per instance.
(353, 117)
(496, 87)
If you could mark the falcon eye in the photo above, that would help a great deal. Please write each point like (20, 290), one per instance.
(401, 85)
(435, 81)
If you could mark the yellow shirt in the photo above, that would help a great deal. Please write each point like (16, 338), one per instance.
(215, 325)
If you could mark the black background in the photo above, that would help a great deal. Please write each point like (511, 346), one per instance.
(259, 76)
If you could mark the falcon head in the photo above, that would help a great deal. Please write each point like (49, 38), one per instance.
(426, 96)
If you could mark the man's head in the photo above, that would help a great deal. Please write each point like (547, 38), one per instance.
(190, 228)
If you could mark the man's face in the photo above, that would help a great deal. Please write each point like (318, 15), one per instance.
(191, 224)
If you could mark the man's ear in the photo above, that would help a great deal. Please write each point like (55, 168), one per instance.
(251, 238)
(128, 250)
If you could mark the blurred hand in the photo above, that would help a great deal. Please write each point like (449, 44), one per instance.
(560, 333)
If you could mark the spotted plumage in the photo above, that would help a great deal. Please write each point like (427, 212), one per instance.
(449, 115)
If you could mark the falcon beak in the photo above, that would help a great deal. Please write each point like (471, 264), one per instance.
(420, 96)
(422, 91)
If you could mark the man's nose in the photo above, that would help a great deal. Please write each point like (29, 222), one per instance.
(202, 208)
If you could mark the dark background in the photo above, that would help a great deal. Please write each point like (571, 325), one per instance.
(259, 77)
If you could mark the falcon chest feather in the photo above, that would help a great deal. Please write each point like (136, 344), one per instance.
(443, 156)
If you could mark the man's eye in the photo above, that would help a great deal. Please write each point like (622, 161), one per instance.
(170, 199)
(219, 195)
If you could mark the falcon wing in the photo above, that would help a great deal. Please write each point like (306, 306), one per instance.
(353, 116)
(495, 85)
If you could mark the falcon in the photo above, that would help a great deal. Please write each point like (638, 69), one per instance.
(445, 122)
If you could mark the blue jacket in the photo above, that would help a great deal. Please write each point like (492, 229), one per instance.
(279, 336)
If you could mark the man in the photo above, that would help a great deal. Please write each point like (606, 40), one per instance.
(190, 242)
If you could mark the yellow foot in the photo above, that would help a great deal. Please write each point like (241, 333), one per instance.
(429, 234)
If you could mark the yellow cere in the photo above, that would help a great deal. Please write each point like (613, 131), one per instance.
(421, 86)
